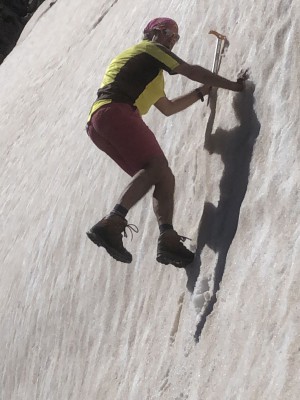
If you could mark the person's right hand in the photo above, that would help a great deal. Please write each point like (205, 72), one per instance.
(205, 89)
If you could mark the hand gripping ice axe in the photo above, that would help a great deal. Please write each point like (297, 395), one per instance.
(221, 39)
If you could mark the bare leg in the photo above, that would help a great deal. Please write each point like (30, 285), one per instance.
(163, 198)
(157, 174)
(108, 232)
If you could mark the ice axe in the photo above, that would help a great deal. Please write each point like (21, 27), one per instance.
(217, 57)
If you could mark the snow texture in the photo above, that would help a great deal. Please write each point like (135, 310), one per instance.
(75, 324)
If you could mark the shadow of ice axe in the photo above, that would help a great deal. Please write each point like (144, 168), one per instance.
(221, 39)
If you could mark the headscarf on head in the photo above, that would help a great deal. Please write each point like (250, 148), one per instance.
(161, 23)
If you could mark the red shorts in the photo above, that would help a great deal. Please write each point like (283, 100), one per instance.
(119, 131)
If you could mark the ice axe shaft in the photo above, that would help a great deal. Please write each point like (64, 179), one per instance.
(220, 39)
(217, 59)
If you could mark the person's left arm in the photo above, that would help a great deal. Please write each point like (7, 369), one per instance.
(169, 107)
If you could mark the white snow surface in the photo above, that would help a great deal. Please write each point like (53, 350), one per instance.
(75, 324)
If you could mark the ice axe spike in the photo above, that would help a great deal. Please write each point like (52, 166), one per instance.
(217, 59)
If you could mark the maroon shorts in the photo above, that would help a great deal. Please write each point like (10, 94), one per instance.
(119, 131)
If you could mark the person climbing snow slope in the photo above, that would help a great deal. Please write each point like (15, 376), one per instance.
(132, 83)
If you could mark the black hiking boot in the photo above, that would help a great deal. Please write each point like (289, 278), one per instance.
(170, 250)
(107, 233)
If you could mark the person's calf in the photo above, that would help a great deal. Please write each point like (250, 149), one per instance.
(154, 173)
(163, 198)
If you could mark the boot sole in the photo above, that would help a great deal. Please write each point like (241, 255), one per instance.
(111, 251)
(169, 258)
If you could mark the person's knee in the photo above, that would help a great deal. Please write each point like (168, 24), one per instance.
(159, 170)
(168, 177)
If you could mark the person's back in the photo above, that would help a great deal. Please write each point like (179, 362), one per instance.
(136, 76)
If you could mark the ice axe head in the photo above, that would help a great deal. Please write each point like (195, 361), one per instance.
(218, 35)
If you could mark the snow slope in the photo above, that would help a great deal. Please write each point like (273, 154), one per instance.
(77, 325)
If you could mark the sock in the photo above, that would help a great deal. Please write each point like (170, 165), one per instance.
(165, 227)
(119, 210)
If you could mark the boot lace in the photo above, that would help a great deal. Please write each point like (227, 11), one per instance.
(131, 228)
(183, 238)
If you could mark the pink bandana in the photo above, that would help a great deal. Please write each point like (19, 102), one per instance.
(161, 23)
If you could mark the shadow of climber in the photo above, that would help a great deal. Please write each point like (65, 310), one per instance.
(219, 223)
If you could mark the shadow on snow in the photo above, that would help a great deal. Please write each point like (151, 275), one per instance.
(218, 225)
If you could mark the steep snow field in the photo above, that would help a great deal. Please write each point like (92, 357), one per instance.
(77, 325)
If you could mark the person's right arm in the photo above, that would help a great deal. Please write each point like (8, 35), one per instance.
(202, 75)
